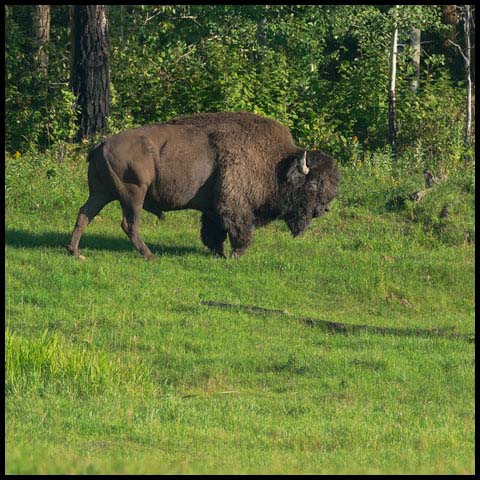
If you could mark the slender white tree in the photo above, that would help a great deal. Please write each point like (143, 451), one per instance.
(466, 54)
(468, 77)
(391, 91)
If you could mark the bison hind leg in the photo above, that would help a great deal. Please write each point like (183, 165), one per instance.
(213, 235)
(91, 208)
(132, 208)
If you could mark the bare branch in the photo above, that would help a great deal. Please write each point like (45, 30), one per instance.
(192, 49)
(153, 16)
(188, 17)
(459, 48)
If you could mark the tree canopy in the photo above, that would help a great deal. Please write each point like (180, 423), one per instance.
(322, 70)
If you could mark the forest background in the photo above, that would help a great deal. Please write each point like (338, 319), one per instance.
(321, 70)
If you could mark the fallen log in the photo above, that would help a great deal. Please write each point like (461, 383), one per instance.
(337, 327)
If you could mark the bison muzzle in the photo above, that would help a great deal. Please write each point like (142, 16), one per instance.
(239, 169)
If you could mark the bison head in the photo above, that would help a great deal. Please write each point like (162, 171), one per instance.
(310, 185)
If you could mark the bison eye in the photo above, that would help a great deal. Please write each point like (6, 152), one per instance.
(319, 210)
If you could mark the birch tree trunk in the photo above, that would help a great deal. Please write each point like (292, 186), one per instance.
(90, 73)
(391, 92)
(41, 23)
(468, 77)
(467, 57)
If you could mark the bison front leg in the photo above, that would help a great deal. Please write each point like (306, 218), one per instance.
(213, 235)
(240, 230)
(237, 217)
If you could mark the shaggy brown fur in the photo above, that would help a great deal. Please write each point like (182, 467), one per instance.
(239, 169)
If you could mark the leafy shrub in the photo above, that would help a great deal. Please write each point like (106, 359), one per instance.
(432, 124)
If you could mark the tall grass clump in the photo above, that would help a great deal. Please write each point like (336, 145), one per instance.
(50, 364)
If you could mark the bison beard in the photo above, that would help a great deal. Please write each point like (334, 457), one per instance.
(240, 170)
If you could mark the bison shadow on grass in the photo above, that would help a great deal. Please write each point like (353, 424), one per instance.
(24, 239)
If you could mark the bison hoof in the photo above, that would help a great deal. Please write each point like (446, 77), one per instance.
(72, 251)
(219, 253)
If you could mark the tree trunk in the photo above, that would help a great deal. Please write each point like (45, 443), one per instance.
(450, 17)
(468, 77)
(391, 92)
(41, 24)
(90, 73)
(415, 36)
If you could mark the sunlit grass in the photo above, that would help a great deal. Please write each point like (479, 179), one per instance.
(113, 365)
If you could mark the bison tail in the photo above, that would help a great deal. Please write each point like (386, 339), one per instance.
(101, 176)
(115, 182)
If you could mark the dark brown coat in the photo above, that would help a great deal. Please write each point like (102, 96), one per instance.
(239, 169)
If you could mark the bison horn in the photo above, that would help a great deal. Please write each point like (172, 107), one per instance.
(302, 166)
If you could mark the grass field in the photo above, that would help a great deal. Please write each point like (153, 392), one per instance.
(113, 365)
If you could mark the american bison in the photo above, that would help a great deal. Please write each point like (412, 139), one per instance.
(239, 169)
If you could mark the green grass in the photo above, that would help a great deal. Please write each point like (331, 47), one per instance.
(114, 366)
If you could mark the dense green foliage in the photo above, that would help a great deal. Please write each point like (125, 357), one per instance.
(321, 70)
